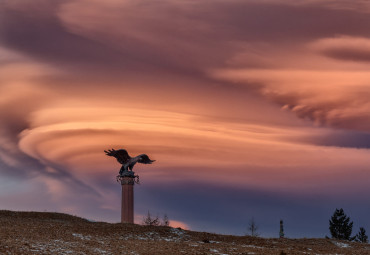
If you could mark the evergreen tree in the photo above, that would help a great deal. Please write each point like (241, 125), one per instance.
(361, 236)
(340, 226)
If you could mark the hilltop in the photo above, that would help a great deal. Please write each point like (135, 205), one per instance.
(57, 233)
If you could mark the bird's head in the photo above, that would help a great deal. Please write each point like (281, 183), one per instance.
(145, 159)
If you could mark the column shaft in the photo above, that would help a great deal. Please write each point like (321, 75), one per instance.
(127, 206)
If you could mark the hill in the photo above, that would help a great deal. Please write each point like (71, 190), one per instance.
(57, 233)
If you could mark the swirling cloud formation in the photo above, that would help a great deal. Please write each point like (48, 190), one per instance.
(248, 107)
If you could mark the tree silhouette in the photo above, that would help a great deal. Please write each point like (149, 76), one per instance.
(361, 236)
(340, 226)
(281, 232)
(253, 228)
(165, 220)
(151, 221)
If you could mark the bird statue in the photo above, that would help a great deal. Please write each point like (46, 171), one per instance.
(126, 161)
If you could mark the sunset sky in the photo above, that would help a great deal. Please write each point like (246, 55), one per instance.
(251, 108)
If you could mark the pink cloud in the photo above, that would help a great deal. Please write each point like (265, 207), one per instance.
(246, 95)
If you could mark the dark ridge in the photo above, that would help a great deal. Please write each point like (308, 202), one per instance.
(41, 216)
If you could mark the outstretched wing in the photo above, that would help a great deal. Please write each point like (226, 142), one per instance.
(144, 159)
(121, 155)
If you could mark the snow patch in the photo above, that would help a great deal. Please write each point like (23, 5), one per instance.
(342, 245)
(177, 231)
(82, 237)
(252, 246)
(217, 251)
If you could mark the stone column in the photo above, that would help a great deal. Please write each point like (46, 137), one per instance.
(127, 206)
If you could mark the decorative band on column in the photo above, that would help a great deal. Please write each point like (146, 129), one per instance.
(127, 181)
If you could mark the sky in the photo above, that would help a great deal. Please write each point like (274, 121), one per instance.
(251, 109)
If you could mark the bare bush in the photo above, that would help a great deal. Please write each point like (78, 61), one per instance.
(252, 228)
(149, 220)
(165, 220)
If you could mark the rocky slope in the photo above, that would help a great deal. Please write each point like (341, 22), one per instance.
(56, 233)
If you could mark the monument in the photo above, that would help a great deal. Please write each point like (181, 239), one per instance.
(127, 178)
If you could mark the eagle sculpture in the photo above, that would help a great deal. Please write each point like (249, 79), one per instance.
(126, 161)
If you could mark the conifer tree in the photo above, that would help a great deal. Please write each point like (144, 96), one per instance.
(361, 236)
(340, 226)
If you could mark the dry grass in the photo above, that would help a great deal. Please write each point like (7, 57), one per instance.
(56, 233)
